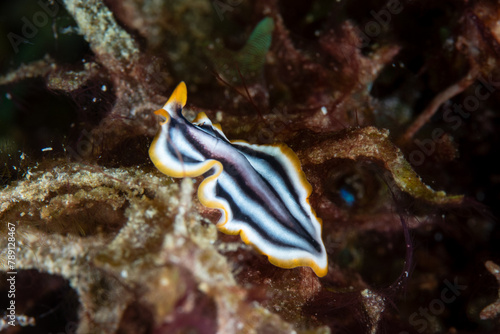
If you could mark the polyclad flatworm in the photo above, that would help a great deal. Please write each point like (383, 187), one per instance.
(260, 190)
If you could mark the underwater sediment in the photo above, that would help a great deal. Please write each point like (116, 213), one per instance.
(391, 108)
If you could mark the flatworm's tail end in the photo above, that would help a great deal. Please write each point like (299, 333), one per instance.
(321, 269)
(318, 264)
(288, 259)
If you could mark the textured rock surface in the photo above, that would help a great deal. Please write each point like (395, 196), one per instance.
(384, 121)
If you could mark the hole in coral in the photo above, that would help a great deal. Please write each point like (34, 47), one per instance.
(37, 28)
(34, 118)
(352, 186)
(36, 124)
(48, 299)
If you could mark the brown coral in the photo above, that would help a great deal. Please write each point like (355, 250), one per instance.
(133, 251)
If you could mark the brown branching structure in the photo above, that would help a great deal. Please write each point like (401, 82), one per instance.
(405, 185)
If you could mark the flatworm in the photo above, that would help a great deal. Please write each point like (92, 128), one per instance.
(260, 190)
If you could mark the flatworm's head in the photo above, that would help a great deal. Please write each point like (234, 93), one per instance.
(171, 110)
(175, 103)
(163, 113)
(178, 97)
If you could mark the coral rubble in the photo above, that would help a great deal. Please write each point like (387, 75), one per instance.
(394, 121)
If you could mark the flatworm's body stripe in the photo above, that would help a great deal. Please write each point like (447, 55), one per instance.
(260, 190)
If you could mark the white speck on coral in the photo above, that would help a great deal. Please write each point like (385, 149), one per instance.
(179, 242)
(104, 88)
(203, 286)
(324, 110)
(150, 213)
(218, 116)
(124, 273)
(46, 149)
